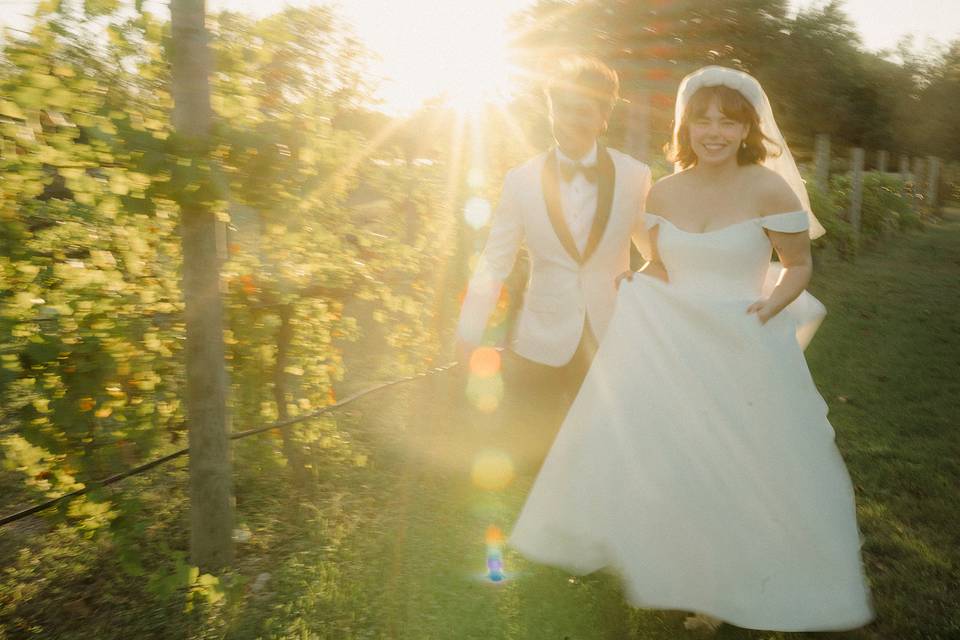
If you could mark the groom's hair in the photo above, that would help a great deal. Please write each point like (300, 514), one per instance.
(587, 76)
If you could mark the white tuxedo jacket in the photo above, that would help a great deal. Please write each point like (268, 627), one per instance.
(564, 287)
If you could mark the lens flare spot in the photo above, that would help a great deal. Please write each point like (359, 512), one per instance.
(485, 362)
(477, 212)
(492, 470)
(494, 541)
(486, 506)
(485, 393)
(487, 403)
(494, 535)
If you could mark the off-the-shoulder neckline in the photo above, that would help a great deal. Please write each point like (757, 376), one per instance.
(729, 226)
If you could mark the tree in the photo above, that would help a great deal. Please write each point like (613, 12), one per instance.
(211, 509)
(935, 120)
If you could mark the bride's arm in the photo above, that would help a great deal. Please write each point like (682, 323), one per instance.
(793, 250)
(645, 239)
(655, 203)
(653, 267)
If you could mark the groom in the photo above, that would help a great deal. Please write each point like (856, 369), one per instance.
(575, 207)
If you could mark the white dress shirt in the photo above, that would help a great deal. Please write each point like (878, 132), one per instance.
(578, 199)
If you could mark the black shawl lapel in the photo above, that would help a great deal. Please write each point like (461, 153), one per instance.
(551, 196)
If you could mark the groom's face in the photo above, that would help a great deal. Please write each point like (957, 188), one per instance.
(577, 121)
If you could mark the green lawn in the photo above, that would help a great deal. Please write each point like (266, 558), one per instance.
(393, 547)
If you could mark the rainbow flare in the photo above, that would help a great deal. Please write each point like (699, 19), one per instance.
(494, 540)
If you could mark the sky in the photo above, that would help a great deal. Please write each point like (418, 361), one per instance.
(882, 23)
(425, 46)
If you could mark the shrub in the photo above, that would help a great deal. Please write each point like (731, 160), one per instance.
(886, 206)
(839, 232)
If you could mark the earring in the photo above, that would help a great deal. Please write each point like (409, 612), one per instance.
(743, 144)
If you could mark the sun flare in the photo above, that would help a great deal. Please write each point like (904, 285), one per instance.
(477, 71)
(454, 51)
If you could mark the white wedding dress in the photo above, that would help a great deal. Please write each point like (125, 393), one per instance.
(697, 461)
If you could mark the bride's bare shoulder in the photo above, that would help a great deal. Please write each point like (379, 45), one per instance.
(773, 194)
(663, 190)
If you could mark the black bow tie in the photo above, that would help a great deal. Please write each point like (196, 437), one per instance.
(569, 171)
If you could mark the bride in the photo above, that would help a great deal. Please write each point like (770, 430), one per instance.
(697, 461)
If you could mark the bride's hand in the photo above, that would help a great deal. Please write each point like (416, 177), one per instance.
(764, 310)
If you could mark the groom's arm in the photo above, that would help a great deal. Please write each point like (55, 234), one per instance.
(639, 233)
(493, 267)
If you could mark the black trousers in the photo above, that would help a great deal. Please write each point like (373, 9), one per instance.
(536, 400)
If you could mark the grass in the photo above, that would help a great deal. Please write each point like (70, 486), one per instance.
(394, 549)
(887, 362)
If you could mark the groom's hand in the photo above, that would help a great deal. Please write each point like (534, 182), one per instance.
(626, 275)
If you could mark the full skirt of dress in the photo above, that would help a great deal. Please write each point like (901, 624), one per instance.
(697, 462)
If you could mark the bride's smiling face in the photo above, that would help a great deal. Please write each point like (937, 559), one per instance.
(715, 137)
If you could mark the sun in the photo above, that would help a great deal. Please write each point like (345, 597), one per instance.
(476, 70)
(455, 51)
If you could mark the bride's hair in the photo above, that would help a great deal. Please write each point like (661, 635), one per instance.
(734, 106)
(585, 75)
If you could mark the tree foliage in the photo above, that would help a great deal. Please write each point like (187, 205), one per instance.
(812, 64)
(91, 327)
